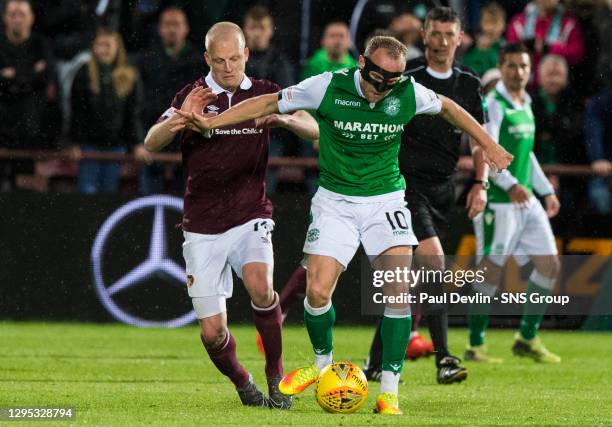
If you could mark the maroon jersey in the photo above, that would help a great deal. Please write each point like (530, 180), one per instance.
(225, 174)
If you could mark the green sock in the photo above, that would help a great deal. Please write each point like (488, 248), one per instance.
(532, 312)
(478, 320)
(395, 333)
(319, 326)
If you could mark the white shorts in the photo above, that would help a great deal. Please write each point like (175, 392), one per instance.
(339, 223)
(504, 229)
(210, 258)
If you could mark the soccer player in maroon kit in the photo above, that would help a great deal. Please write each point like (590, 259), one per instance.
(227, 217)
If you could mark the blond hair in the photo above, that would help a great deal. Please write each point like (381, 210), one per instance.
(123, 74)
(394, 47)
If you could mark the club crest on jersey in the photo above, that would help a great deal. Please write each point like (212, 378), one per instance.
(392, 106)
(190, 281)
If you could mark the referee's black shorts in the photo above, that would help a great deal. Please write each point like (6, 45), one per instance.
(429, 203)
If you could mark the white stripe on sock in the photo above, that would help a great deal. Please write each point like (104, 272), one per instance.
(542, 281)
(316, 311)
(322, 360)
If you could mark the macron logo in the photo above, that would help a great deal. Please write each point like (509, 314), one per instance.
(212, 108)
(347, 103)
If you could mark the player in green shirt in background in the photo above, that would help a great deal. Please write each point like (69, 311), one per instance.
(333, 55)
(361, 114)
(514, 222)
(334, 52)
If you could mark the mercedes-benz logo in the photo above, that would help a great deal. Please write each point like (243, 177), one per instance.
(156, 262)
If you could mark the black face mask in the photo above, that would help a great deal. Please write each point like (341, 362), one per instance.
(380, 86)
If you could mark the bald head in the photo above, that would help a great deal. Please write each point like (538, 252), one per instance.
(226, 54)
(225, 32)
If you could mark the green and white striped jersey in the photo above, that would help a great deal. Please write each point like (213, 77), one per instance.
(513, 127)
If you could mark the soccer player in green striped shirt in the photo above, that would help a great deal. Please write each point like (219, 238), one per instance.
(361, 114)
(514, 222)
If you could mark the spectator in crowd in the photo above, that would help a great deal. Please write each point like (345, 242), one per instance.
(265, 60)
(407, 29)
(545, 27)
(482, 56)
(164, 67)
(334, 52)
(106, 103)
(556, 113)
(138, 21)
(71, 23)
(269, 63)
(598, 140)
(602, 22)
(26, 85)
(582, 75)
(333, 55)
(558, 119)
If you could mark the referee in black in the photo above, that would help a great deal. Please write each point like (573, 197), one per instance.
(428, 157)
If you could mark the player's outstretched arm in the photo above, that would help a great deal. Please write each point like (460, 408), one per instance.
(300, 123)
(496, 156)
(249, 109)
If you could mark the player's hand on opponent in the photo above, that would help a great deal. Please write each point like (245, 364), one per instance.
(191, 115)
(193, 121)
(519, 196)
(271, 121)
(476, 200)
(552, 205)
(497, 157)
(198, 99)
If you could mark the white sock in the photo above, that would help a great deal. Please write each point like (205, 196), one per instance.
(389, 382)
(322, 360)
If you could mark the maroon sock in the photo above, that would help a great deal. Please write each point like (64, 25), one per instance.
(269, 324)
(224, 358)
(294, 290)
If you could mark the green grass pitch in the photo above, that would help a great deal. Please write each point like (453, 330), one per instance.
(119, 375)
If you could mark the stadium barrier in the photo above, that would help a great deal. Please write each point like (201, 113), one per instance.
(302, 162)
